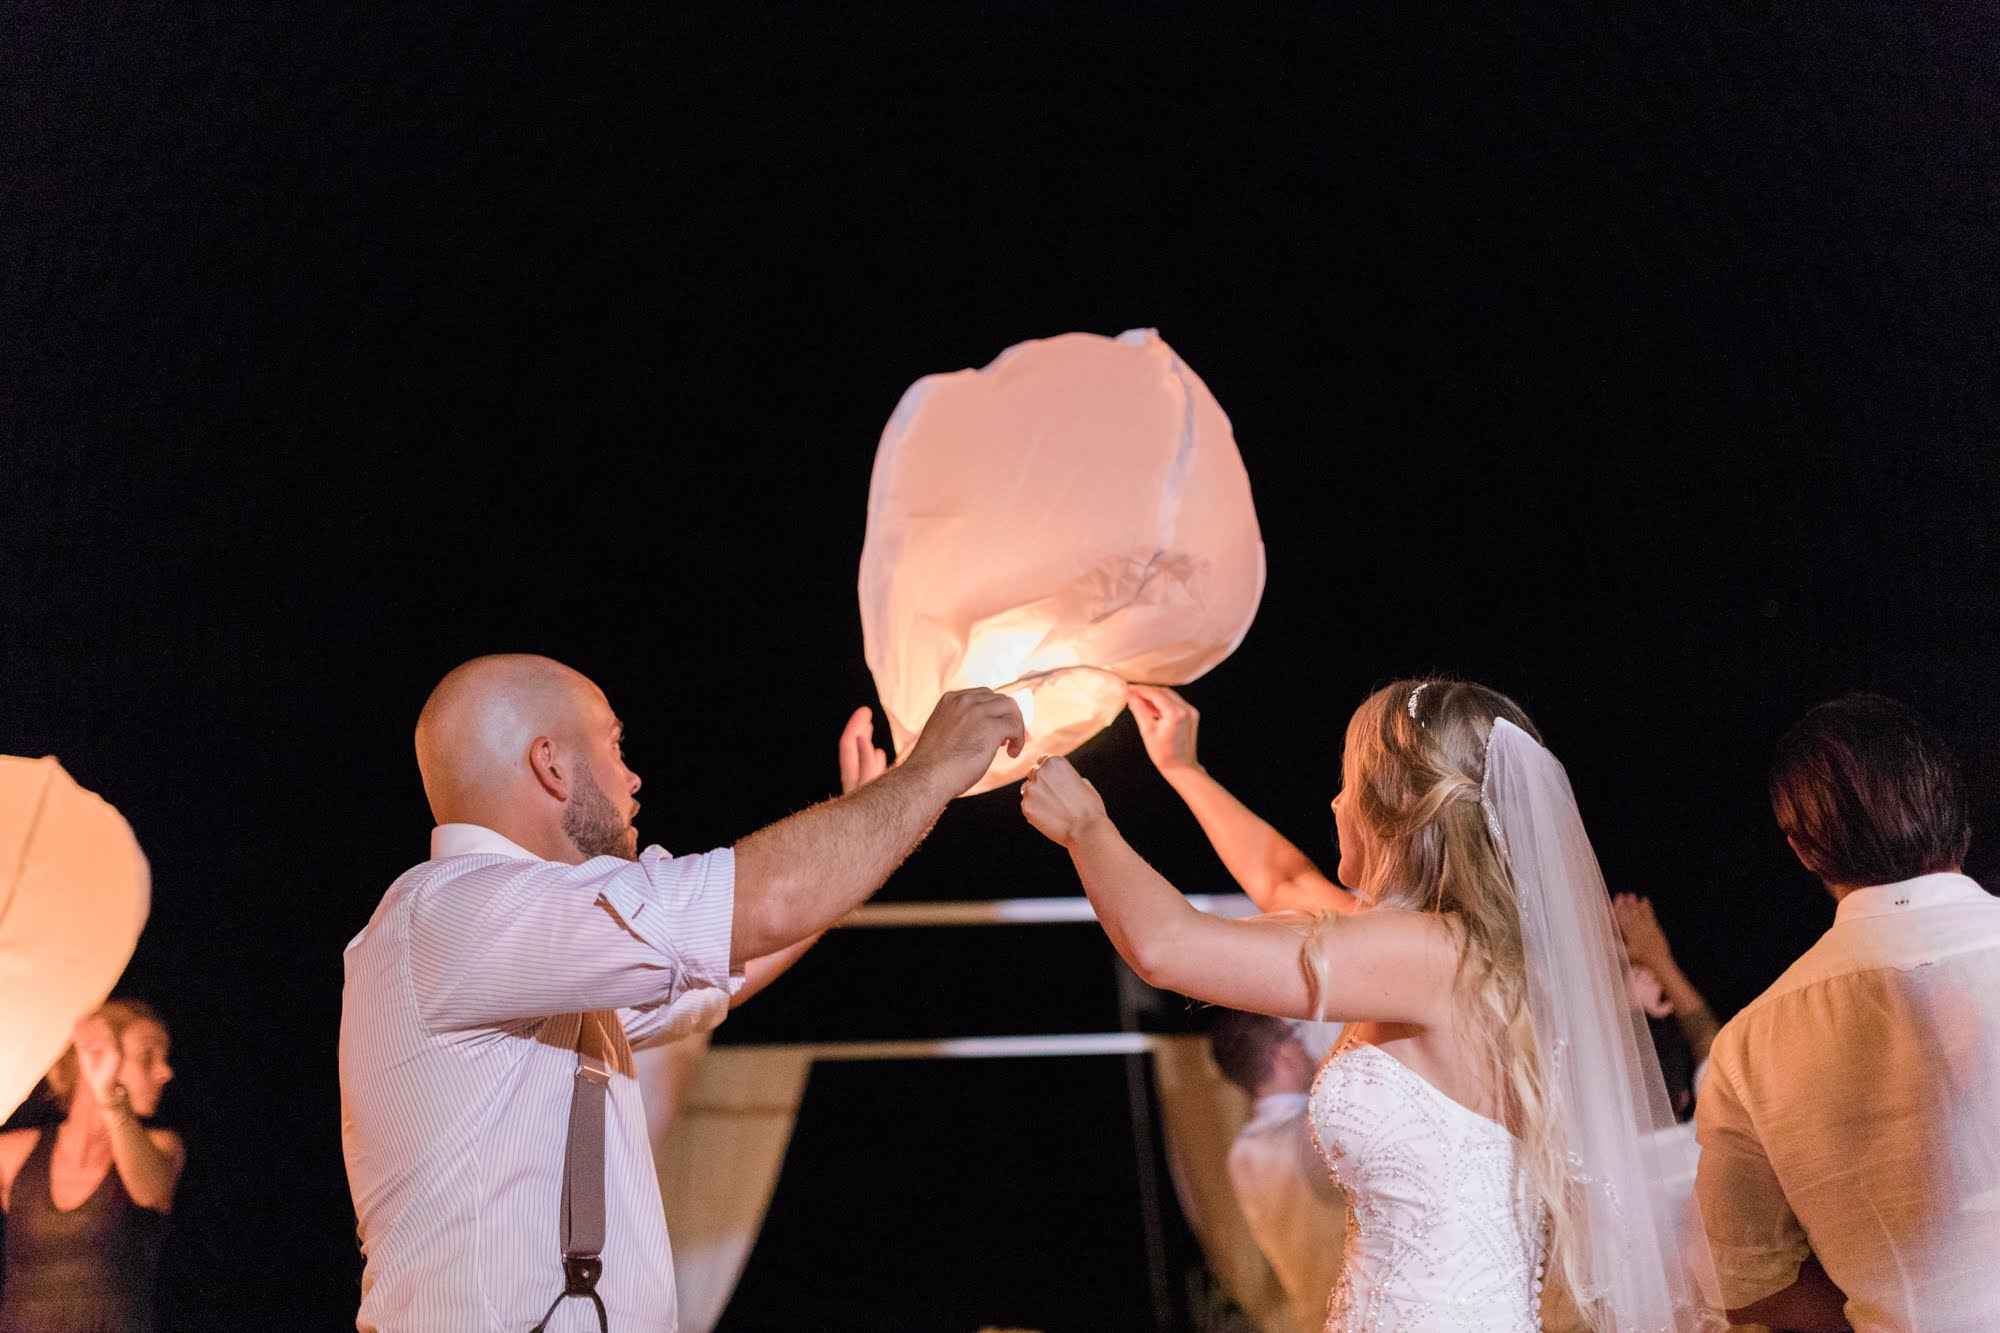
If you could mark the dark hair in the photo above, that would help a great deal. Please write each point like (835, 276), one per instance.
(1243, 1046)
(1870, 793)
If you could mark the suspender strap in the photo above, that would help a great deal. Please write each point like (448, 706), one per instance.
(583, 1162)
(583, 1177)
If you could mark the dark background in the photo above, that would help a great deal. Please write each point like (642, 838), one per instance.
(1641, 366)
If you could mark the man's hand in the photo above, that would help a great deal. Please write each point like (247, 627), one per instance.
(861, 760)
(964, 730)
(1167, 725)
(1060, 803)
(98, 1056)
(1645, 942)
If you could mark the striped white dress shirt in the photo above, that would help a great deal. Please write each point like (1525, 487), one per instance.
(465, 997)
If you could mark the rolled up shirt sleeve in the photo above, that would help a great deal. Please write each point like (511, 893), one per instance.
(1757, 1240)
(699, 1010)
(516, 939)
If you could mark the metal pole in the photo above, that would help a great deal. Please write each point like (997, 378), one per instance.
(1131, 993)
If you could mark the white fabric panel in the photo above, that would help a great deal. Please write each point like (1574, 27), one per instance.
(718, 1162)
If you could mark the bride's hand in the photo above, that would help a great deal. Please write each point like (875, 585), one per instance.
(1060, 803)
(1167, 724)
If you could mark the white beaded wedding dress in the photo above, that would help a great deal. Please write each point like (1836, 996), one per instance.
(1446, 1232)
(1443, 1235)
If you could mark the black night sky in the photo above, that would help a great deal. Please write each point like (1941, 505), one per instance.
(1640, 365)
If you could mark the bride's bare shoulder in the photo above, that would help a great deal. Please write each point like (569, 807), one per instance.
(1415, 925)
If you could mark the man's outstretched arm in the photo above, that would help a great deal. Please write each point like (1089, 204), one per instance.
(798, 876)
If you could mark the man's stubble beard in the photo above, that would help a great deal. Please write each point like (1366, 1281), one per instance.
(591, 822)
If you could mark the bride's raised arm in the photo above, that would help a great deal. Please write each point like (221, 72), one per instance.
(1384, 966)
(1276, 875)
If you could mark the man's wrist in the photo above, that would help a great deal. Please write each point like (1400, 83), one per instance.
(939, 786)
(921, 775)
(116, 1104)
(1093, 831)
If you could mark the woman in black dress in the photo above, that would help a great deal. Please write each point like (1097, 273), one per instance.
(86, 1199)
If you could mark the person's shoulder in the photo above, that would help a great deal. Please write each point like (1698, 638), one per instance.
(1247, 1158)
(15, 1145)
(1982, 909)
(447, 877)
(1825, 961)
(1742, 1028)
(397, 897)
(1410, 925)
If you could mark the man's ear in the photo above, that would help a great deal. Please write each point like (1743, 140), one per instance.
(549, 768)
(1804, 860)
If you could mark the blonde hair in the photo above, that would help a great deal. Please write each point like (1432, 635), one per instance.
(1412, 772)
(120, 1013)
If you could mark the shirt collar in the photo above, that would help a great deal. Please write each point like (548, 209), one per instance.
(1907, 896)
(1277, 1106)
(474, 840)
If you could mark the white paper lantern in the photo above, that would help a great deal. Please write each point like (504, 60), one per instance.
(1071, 517)
(74, 893)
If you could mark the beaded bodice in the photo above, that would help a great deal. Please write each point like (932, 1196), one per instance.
(1444, 1233)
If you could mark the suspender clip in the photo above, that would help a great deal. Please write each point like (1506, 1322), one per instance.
(580, 1274)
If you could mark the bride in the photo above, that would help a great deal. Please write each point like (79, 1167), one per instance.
(1487, 1108)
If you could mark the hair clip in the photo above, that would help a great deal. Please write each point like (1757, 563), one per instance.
(1411, 707)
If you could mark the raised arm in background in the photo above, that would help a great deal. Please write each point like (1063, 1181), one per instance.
(1646, 945)
(1271, 869)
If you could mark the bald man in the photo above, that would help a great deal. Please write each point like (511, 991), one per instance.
(521, 964)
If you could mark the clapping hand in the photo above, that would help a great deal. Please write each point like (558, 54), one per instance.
(1167, 724)
(861, 760)
(1059, 802)
(98, 1056)
(1645, 943)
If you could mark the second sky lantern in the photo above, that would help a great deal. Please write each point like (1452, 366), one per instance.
(1073, 516)
(74, 893)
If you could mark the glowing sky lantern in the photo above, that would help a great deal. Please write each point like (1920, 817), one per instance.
(1073, 516)
(74, 892)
